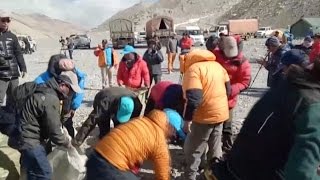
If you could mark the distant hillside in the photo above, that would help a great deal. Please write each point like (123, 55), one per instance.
(276, 13)
(180, 10)
(41, 26)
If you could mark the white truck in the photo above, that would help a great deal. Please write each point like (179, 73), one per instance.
(216, 30)
(194, 32)
(263, 32)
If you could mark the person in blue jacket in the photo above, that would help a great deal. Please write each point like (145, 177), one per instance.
(72, 104)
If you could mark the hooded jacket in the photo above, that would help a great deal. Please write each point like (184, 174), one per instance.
(154, 60)
(205, 85)
(239, 71)
(136, 75)
(53, 71)
(11, 56)
(40, 117)
(280, 138)
(273, 64)
(136, 141)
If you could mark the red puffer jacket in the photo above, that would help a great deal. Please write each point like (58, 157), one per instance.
(186, 43)
(133, 77)
(315, 52)
(239, 71)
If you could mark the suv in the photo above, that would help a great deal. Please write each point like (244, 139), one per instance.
(263, 32)
(81, 41)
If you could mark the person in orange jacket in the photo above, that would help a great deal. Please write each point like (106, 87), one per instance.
(107, 59)
(122, 151)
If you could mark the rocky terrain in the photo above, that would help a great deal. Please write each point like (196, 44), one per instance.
(40, 26)
(276, 13)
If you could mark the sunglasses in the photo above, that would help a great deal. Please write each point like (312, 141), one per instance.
(5, 19)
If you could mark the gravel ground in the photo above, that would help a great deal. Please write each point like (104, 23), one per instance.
(87, 62)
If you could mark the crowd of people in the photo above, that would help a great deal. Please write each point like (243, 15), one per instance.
(279, 138)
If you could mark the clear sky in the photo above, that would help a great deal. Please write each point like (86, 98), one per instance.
(88, 13)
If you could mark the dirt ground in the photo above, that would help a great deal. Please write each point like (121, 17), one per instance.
(87, 62)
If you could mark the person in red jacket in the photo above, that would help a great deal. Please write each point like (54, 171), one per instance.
(239, 70)
(315, 52)
(133, 70)
(185, 44)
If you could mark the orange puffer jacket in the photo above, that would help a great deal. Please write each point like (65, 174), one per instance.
(130, 144)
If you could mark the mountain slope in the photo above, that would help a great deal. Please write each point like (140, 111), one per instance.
(180, 10)
(40, 26)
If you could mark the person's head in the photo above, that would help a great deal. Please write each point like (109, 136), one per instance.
(68, 83)
(152, 44)
(307, 42)
(185, 35)
(230, 46)
(316, 37)
(4, 22)
(293, 57)
(125, 109)
(155, 37)
(53, 65)
(175, 124)
(212, 43)
(272, 44)
(174, 35)
(129, 55)
(173, 98)
(104, 42)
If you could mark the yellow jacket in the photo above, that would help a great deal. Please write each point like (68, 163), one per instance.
(202, 72)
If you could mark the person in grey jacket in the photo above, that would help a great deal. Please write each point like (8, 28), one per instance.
(40, 121)
(154, 58)
(172, 50)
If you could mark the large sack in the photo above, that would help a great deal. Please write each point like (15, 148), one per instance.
(67, 164)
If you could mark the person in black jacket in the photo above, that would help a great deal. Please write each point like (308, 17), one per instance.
(154, 58)
(11, 62)
(40, 121)
(306, 46)
(115, 103)
(70, 46)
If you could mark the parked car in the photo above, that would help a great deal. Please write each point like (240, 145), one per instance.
(80, 41)
(263, 32)
(32, 42)
(142, 37)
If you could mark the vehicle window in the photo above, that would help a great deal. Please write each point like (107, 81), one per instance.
(142, 33)
(194, 32)
(262, 29)
(85, 36)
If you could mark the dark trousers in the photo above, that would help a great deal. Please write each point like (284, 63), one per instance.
(68, 124)
(104, 126)
(35, 164)
(70, 53)
(7, 87)
(227, 134)
(98, 168)
(156, 78)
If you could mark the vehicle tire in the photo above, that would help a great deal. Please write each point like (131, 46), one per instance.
(89, 46)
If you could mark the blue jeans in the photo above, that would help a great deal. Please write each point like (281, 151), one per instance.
(35, 163)
(98, 168)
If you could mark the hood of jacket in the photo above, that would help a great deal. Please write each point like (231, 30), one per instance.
(160, 119)
(197, 55)
(53, 65)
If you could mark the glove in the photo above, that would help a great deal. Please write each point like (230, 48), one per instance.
(23, 74)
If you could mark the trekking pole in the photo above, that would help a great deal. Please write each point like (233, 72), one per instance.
(254, 79)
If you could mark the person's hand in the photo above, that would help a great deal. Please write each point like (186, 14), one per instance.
(261, 62)
(23, 74)
(186, 126)
(75, 143)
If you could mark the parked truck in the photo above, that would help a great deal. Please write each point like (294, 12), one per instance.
(121, 33)
(244, 27)
(160, 26)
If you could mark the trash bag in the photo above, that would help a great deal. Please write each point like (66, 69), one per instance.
(67, 164)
